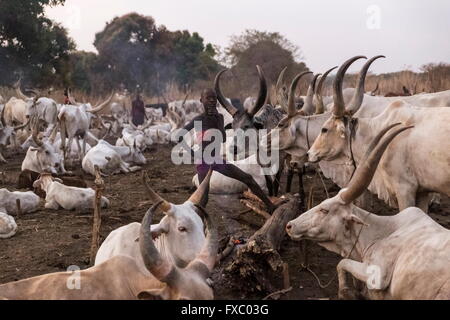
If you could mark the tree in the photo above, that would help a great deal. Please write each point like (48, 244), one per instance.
(31, 45)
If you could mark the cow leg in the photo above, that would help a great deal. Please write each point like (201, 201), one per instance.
(423, 200)
(2, 159)
(276, 181)
(356, 269)
(406, 198)
(269, 184)
(69, 149)
(51, 204)
(301, 188)
(290, 176)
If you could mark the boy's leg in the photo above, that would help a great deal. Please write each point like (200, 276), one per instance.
(231, 171)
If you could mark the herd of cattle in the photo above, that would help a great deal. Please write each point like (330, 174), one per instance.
(396, 148)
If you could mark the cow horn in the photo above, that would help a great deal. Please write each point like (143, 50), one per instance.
(366, 169)
(208, 253)
(358, 96)
(308, 107)
(165, 206)
(291, 103)
(34, 133)
(71, 98)
(320, 108)
(224, 102)
(199, 196)
(262, 94)
(101, 106)
(23, 125)
(281, 97)
(19, 92)
(157, 265)
(338, 97)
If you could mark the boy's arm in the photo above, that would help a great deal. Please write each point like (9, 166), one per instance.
(222, 128)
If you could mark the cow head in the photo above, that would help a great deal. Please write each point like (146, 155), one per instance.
(331, 221)
(334, 137)
(44, 180)
(183, 283)
(243, 119)
(42, 156)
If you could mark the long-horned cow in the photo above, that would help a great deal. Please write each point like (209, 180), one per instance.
(405, 256)
(179, 236)
(405, 177)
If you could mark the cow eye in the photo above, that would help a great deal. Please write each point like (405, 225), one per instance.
(324, 211)
(46, 152)
(182, 229)
(324, 130)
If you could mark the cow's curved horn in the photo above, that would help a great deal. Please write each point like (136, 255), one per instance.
(22, 125)
(224, 102)
(158, 266)
(358, 96)
(366, 169)
(71, 98)
(208, 254)
(320, 108)
(281, 97)
(199, 196)
(308, 107)
(101, 106)
(165, 206)
(338, 97)
(34, 133)
(291, 103)
(262, 94)
(19, 92)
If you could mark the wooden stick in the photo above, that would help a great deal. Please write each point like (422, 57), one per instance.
(247, 203)
(277, 293)
(99, 187)
(19, 210)
(286, 278)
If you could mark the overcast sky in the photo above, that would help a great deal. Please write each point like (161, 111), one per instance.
(409, 33)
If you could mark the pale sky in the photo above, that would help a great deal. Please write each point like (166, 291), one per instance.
(409, 33)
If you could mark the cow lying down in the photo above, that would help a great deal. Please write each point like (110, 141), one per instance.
(179, 236)
(121, 278)
(59, 195)
(8, 226)
(29, 201)
(405, 256)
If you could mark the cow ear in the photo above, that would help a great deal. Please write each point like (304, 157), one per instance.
(355, 219)
(154, 294)
(228, 126)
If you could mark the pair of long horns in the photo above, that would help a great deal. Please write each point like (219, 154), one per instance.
(339, 108)
(320, 108)
(366, 169)
(159, 266)
(196, 198)
(21, 95)
(262, 94)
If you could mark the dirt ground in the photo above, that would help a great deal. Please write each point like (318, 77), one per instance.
(50, 241)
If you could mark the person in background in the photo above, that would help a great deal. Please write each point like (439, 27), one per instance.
(138, 111)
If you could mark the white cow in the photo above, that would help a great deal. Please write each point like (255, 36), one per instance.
(179, 235)
(29, 201)
(8, 226)
(111, 159)
(405, 256)
(59, 195)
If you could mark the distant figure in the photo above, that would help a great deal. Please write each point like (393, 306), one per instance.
(66, 96)
(138, 111)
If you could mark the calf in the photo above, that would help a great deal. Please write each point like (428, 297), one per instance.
(59, 195)
(29, 201)
(8, 226)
